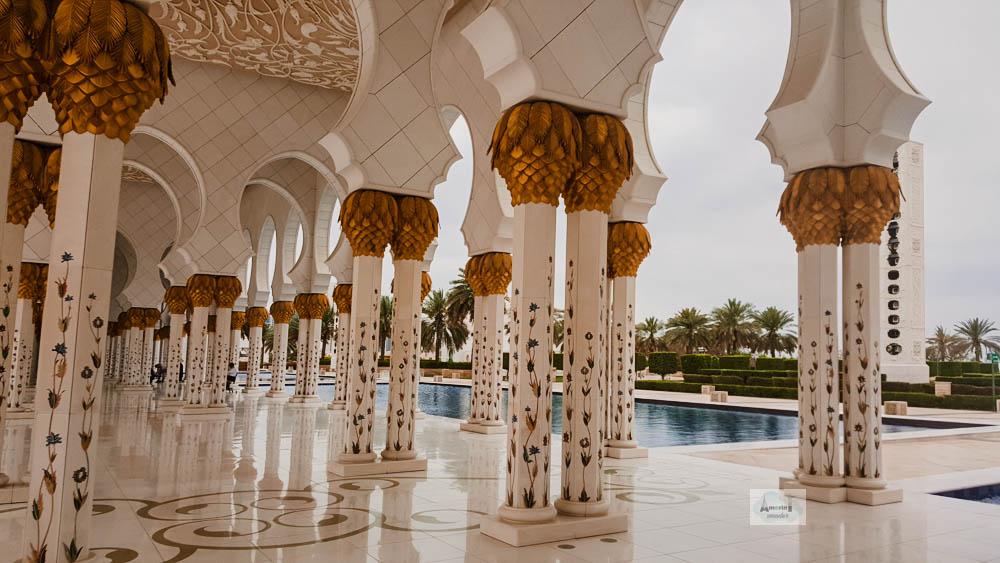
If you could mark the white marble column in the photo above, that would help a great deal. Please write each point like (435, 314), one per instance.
(256, 317)
(24, 351)
(584, 352)
(363, 363)
(150, 316)
(111, 362)
(819, 384)
(227, 290)
(236, 337)
(401, 426)
(343, 346)
(71, 363)
(201, 295)
(171, 386)
(7, 271)
(628, 246)
(621, 413)
(310, 307)
(476, 355)
(491, 360)
(530, 396)
(863, 467)
(136, 326)
(282, 312)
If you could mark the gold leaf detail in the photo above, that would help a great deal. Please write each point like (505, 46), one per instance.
(605, 163)
(368, 220)
(535, 149)
(628, 246)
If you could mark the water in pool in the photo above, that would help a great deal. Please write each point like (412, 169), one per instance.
(656, 424)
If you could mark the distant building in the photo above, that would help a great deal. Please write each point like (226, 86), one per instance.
(902, 272)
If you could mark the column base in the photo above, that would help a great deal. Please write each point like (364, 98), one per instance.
(379, 467)
(305, 399)
(625, 453)
(562, 528)
(277, 396)
(582, 509)
(337, 406)
(419, 415)
(135, 388)
(208, 413)
(255, 392)
(874, 497)
(826, 495)
(170, 405)
(481, 428)
(21, 414)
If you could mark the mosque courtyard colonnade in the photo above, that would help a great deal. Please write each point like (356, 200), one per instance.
(191, 179)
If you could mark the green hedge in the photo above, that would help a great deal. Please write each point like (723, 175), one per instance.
(955, 369)
(664, 363)
(965, 402)
(641, 362)
(778, 364)
(694, 363)
(765, 362)
(699, 379)
(727, 380)
(901, 387)
(325, 361)
(791, 382)
(739, 390)
(978, 381)
(734, 362)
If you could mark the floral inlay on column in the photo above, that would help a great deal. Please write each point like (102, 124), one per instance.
(535, 150)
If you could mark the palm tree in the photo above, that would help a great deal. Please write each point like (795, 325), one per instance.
(438, 332)
(328, 329)
(384, 324)
(688, 329)
(460, 301)
(558, 325)
(293, 339)
(734, 324)
(267, 337)
(646, 334)
(975, 335)
(773, 324)
(943, 346)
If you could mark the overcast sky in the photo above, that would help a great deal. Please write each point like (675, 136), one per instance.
(714, 230)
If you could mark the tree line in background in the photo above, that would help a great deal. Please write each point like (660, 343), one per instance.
(735, 327)
(970, 339)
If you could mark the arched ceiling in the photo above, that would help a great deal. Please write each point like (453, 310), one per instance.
(314, 42)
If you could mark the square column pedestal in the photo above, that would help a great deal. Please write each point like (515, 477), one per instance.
(377, 467)
(834, 495)
(170, 405)
(625, 453)
(483, 428)
(562, 528)
(205, 413)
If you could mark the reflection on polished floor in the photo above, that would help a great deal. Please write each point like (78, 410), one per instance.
(254, 487)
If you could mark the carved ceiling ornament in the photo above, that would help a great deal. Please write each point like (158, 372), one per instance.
(309, 41)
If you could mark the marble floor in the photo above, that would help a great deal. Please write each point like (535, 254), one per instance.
(255, 487)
